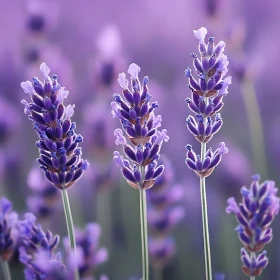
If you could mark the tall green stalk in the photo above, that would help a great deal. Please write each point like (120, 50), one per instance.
(253, 254)
(70, 226)
(207, 254)
(6, 270)
(144, 234)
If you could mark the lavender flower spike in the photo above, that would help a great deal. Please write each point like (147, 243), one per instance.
(206, 101)
(60, 157)
(141, 141)
(255, 214)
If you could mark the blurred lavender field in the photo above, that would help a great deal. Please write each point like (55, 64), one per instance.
(87, 44)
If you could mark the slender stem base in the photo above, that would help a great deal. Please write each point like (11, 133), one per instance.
(144, 234)
(6, 270)
(207, 254)
(70, 226)
(253, 254)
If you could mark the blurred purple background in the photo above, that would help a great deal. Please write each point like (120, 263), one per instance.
(87, 43)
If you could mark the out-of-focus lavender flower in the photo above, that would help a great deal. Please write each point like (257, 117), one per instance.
(108, 61)
(140, 125)
(211, 7)
(34, 238)
(206, 101)
(36, 24)
(40, 16)
(8, 229)
(43, 266)
(44, 201)
(37, 250)
(164, 213)
(255, 214)
(88, 255)
(162, 250)
(98, 131)
(60, 156)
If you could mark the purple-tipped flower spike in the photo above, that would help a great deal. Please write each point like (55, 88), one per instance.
(141, 139)
(88, 256)
(60, 156)
(8, 229)
(255, 213)
(206, 101)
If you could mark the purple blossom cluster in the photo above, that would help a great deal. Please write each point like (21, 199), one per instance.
(206, 101)
(88, 255)
(60, 156)
(164, 213)
(255, 213)
(37, 248)
(140, 125)
(139, 135)
(8, 230)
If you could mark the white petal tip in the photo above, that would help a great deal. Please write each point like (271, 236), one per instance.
(45, 70)
(200, 34)
(133, 70)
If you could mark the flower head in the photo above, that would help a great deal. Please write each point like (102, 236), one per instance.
(60, 157)
(206, 101)
(255, 214)
(140, 126)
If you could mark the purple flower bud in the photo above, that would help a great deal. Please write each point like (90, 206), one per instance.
(255, 214)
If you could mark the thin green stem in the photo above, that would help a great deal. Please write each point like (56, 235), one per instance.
(6, 270)
(70, 226)
(144, 231)
(255, 126)
(207, 254)
(253, 255)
